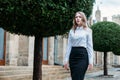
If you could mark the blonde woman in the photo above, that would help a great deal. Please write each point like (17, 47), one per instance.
(79, 55)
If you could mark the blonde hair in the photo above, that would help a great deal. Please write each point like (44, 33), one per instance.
(84, 20)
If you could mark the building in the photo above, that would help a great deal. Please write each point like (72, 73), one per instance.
(104, 18)
(98, 15)
(116, 19)
(18, 50)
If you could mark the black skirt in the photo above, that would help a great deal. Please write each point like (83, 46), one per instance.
(78, 62)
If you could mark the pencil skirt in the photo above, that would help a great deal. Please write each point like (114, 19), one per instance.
(78, 62)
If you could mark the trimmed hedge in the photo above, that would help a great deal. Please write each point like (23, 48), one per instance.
(106, 37)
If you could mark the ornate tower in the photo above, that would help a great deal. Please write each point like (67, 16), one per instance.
(98, 15)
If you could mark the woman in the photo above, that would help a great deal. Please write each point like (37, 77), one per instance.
(79, 54)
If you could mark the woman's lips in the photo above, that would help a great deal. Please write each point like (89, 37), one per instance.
(78, 21)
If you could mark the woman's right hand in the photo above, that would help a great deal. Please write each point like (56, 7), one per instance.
(66, 66)
(90, 66)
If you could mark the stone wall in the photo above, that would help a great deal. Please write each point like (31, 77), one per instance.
(11, 49)
(23, 51)
(59, 56)
(19, 50)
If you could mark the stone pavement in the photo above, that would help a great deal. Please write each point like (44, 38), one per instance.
(98, 75)
(54, 73)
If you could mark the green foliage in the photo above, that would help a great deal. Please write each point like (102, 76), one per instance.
(41, 17)
(106, 37)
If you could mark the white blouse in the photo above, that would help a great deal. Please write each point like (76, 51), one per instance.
(81, 37)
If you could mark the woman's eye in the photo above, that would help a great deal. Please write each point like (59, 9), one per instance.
(75, 17)
(78, 17)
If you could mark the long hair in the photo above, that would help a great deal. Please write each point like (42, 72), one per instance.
(84, 20)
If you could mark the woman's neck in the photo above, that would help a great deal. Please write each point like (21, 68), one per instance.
(79, 25)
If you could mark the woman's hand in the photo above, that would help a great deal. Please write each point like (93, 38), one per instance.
(90, 66)
(66, 66)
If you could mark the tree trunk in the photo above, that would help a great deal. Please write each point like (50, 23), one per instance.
(37, 68)
(105, 64)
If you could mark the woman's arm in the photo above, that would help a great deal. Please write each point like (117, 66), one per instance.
(90, 46)
(66, 58)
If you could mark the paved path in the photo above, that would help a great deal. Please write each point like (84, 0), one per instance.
(96, 75)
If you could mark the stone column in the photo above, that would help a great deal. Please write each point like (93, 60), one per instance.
(51, 50)
(102, 58)
(64, 47)
(118, 60)
(115, 60)
(23, 50)
(13, 49)
(99, 58)
(31, 51)
(94, 57)
(7, 48)
(108, 58)
(112, 58)
(59, 54)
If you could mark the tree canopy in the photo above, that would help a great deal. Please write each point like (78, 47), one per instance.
(41, 17)
(106, 37)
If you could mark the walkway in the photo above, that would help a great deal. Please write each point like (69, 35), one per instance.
(98, 75)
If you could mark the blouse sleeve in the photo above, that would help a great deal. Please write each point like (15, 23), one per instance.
(66, 58)
(90, 46)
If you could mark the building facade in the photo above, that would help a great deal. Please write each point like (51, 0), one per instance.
(18, 50)
(116, 19)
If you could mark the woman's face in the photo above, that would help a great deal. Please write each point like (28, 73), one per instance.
(78, 19)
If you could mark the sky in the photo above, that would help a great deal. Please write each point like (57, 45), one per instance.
(107, 7)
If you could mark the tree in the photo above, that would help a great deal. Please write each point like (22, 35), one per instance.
(40, 18)
(106, 38)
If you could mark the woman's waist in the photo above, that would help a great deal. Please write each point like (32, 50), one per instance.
(78, 51)
(79, 48)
